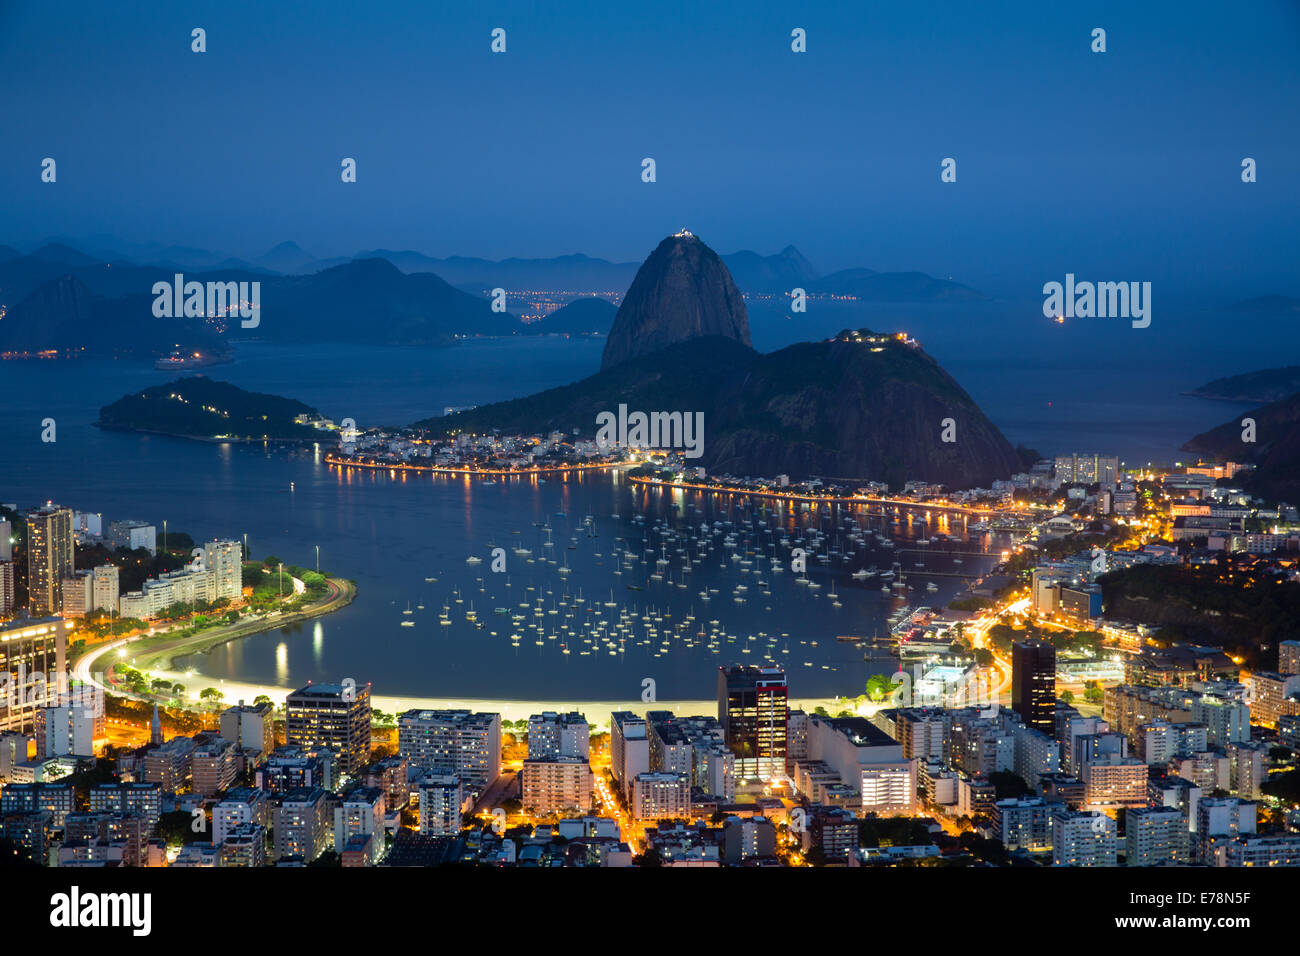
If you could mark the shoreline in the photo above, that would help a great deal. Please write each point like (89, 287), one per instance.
(207, 439)
(330, 459)
(815, 499)
(166, 648)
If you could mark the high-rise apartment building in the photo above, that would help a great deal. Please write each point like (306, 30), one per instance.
(1087, 469)
(1082, 838)
(441, 798)
(301, 826)
(753, 706)
(249, 728)
(557, 785)
(1033, 684)
(33, 656)
(1157, 835)
(453, 741)
(49, 558)
(8, 590)
(629, 749)
(336, 716)
(558, 735)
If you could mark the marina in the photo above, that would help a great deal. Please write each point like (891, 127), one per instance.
(670, 584)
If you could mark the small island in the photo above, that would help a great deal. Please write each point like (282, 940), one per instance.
(207, 410)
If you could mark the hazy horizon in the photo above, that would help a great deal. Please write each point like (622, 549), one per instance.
(1117, 165)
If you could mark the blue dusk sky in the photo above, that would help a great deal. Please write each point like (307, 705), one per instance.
(1117, 165)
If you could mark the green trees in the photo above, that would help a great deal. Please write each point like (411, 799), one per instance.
(878, 687)
(212, 696)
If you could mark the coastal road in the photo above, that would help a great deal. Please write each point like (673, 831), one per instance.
(339, 594)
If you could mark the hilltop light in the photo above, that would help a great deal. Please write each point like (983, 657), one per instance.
(683, 233)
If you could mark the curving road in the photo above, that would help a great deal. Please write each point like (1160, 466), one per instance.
(340, 593)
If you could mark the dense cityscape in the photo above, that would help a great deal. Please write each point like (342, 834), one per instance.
(1026, 724)
(445, 443)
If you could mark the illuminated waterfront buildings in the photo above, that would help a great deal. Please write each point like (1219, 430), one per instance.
(336, 716)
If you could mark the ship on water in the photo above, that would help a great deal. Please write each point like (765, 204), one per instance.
(177, 360)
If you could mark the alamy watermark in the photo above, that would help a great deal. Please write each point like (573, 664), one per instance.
(22, 688)
(194, 300)
(657, 430)
(1102, 300)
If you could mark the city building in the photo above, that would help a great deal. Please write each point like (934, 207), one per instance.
(53, 798)
(747, 839)
(1288, 657)
(70, 730)
(557, 785)
(1160, 740)
(661, 795)
(629, 749)
(240, 806)
(1156, 836)
(212, 766)
(295, 768)
(33, 665)
(8, 589)
(336, 716)
(1083, 838)
(440, 797)
(1265, 850)
(105, 588)
(1036, 754)
(1024, 824)
(361, 813)
(866, 759)
(243, 845)
(553, 735)
(300, 825)
(1219, 822)
(1087, 469)
(752, 709)
(832, 830)
(1114, 781)
(78, 594)
(250, 728)
(1033, 684)
(1273, 695)
(49, 558)
(129, 534)
(169, 764)
(453, 741)
(142, 799)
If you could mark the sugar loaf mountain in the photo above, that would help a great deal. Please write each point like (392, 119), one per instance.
(860, 405)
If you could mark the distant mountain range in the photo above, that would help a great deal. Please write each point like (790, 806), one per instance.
(752, 272)
(857, 406)
(97, 299)
(59, 299)
(64, 314)
(371, 301)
